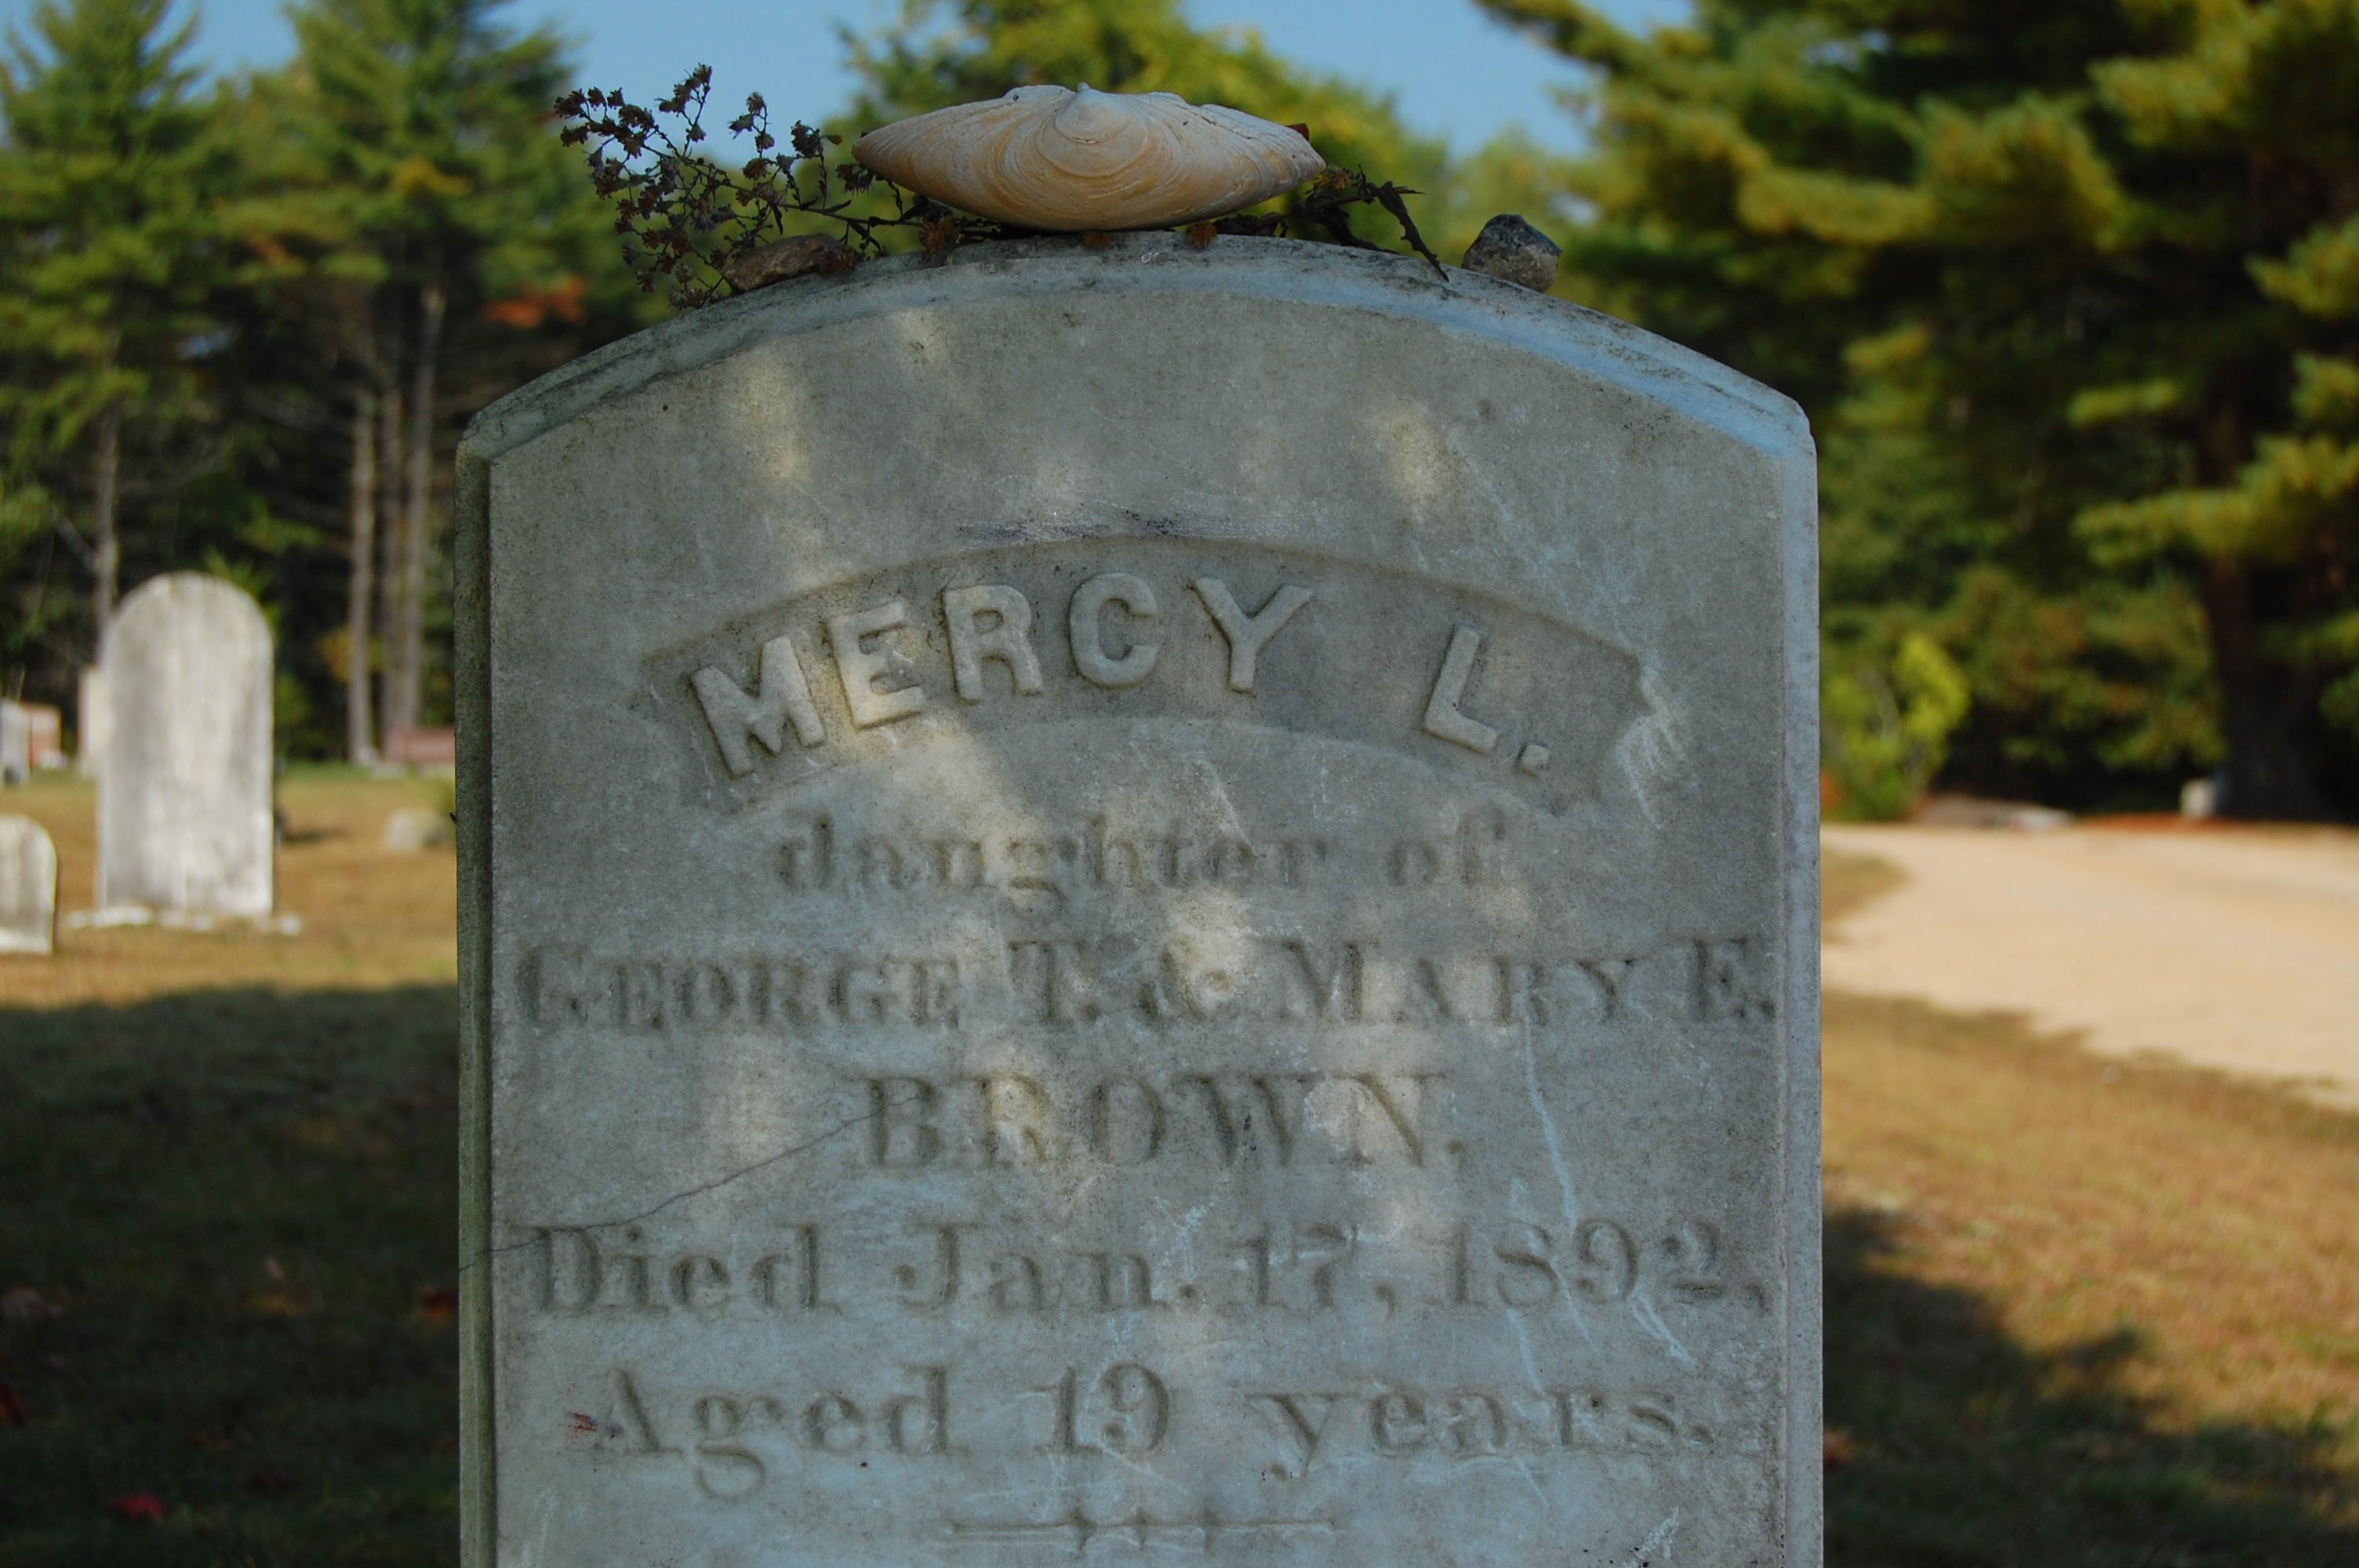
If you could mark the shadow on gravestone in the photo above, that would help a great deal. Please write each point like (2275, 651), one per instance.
(28, 887)
(1126, 902)
(185, 832)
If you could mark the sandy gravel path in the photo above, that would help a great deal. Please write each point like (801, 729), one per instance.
(2236, 949)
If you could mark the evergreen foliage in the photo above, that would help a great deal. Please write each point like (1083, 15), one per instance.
(337, 260)
(2068, 289)
(417, 225)
(110, 257)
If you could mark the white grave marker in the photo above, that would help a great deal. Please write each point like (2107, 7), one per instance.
(28, 887)
(184, 813)
(16, 744)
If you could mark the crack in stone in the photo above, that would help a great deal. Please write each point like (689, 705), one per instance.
(713, 1186)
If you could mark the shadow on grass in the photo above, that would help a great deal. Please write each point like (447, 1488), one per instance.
(1953, 1444)
(228, 1247)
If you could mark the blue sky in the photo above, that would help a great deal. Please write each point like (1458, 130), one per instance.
(1453, 70)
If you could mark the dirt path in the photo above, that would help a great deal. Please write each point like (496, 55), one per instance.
(2234, 949)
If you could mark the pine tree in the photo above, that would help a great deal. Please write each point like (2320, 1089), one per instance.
(2060, 285)
(109, 254)
(426, 227)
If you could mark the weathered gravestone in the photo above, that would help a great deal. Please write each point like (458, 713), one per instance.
(184, 817)
(16, 744)
(1132, 904)
(28, 887)
(90, 721)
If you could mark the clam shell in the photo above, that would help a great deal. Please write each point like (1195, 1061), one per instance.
(1048, 157)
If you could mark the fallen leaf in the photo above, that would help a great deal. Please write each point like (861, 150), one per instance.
(438, 1305)
(136, 1507)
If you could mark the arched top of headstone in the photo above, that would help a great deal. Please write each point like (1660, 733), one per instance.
(29, 886)
(1281, 271)
(222, 607)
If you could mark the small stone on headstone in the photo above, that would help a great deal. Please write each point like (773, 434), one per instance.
(184, 819)
(1512, 250)
(789, 258)
(28, 887)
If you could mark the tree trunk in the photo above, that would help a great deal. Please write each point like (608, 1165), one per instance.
(389, 468)
(2268, 709)
(409, 701)
(360, 723)
(107, 553)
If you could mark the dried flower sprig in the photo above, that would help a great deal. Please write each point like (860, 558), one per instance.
(1327, 201)
(691, 221)
(687, 218)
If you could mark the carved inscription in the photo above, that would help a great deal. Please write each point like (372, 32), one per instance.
(730, 1444)
(1297, 1265)
(1161, 630)
(1292, 1033)
(1182, 979)
(1211, 1117)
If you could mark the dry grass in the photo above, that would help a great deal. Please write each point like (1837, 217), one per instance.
(2078, 1313)
(2081, 1310)
(369, 918)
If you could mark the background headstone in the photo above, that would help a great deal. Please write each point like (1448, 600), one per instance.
(184, 812)
(90, 721)
(416, 828)
(45, 734)
(1133, 903)
(427, 748)
(16, 744)
(28, 887)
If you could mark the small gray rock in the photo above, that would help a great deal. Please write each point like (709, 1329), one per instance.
(789, 258)
(408, 832)
(1513, 250)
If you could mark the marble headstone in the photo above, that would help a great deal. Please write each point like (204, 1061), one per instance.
(184, 813)
(28, 887)
(90, 721)
(1124, 904)
(16, 744)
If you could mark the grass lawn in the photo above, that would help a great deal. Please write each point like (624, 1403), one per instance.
(2079, 1311)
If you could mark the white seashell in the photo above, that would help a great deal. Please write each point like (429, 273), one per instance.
(1047, 158)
